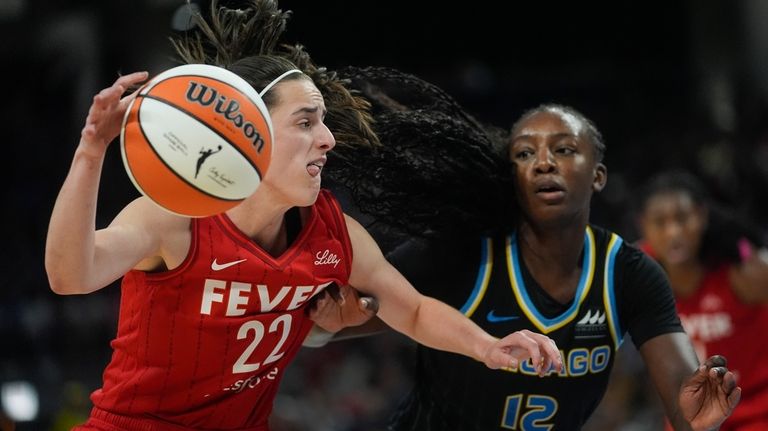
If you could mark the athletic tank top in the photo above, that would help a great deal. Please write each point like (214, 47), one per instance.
(204, 346)
(457, 393)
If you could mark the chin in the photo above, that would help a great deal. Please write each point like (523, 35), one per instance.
(308, 197)
(676, 259)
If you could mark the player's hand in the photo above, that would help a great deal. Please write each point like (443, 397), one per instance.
(709, 396)
(520, 346)
(105, 117)
(337, 307)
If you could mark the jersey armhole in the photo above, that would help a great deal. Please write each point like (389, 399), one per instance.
(194, 240)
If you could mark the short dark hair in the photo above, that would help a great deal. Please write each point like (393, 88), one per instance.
(725, 228)
(593, 134)
(674, 181)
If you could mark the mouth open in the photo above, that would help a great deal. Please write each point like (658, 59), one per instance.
(315, 167)
(550, 193)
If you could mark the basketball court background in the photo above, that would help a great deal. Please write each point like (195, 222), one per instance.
(669, 84)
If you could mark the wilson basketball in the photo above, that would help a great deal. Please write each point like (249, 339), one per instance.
(196, 140)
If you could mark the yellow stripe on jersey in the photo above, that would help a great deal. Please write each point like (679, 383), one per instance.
(609, 295)
(483, 277)
(543, 324)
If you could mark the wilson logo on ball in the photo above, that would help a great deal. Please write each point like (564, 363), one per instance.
(196, 140)
(206, 96)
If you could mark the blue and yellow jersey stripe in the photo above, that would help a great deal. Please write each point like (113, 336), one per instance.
(543, 324)
(483, 277)
(609, 294)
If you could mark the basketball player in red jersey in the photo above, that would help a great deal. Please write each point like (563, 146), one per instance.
(720, 283)
(213, 309)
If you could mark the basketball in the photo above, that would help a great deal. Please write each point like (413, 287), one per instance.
(196, 140)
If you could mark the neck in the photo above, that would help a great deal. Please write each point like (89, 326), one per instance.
(553, 258)
(559, 248)
(262, 217)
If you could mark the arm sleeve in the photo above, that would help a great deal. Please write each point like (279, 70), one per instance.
(647, 303)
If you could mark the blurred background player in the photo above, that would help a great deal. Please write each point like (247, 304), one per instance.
(717, 265)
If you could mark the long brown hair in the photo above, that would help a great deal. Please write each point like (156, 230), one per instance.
(248, 42)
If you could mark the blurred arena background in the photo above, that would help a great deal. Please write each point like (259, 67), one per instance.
(670, 84)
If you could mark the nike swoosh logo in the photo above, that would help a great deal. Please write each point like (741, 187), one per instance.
(219, 266)
(492, 317)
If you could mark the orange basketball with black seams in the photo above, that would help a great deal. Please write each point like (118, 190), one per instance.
(196, 140)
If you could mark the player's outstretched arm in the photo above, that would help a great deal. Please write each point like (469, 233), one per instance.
(76, 259)
(695, 397)
(433, 323)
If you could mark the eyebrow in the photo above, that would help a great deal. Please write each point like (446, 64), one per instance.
(309, 110)
(556, 135)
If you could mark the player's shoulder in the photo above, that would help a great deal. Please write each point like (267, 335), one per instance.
(445, 253)
(143, 211)
(630, 258)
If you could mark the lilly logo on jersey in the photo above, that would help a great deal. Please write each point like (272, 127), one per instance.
(592, 325)
(325, 257)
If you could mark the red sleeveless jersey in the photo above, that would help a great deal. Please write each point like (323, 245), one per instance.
(204, 346)
(719, 323)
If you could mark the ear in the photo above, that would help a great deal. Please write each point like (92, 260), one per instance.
(600, 178)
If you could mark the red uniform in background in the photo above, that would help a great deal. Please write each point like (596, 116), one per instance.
(719, 323)
(206, 344)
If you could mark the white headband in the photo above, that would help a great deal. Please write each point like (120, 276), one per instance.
(276, 80)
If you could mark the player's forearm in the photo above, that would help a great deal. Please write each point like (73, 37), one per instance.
(439, 326)
(69, 246)
(670, 359)
(319, 337)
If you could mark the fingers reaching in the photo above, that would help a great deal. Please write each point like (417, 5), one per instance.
(336, 293)
(523, 345)
(338, 307)
(112, 94)
(718, 371)
(715, 391)
(716, 361)
(370, 304)
(106, 113)
(733, 399)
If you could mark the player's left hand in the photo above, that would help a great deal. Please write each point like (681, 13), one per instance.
(519, 346)
(338, 307)
(709, 396)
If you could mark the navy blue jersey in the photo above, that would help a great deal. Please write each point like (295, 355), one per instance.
(620, 291)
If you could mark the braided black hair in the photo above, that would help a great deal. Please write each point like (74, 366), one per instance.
(425, 167)
(438, 169)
